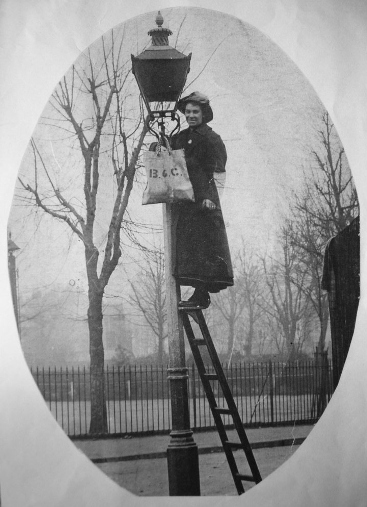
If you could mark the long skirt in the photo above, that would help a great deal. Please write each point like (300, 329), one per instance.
(202, 257)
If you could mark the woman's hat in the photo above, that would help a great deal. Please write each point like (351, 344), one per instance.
(198, 98)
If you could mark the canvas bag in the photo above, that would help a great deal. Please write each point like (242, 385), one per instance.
(167, 177)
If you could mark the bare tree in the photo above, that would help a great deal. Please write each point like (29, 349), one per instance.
(333, 203)
(148, 296)
(89, 116)
(231, 304)
(285, 301)
(325, 206)
(251, 282)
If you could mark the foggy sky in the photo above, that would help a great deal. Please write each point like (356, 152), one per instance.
(265, 111)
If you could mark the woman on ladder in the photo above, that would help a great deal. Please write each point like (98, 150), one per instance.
(202, 257)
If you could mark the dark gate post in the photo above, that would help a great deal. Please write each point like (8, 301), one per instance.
(271, 391)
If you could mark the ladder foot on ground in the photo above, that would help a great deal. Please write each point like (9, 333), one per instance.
(218, 412)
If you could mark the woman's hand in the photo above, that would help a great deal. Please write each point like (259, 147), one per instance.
(208, 204)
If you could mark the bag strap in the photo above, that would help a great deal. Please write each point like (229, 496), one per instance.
(167, 145)
(157, 146)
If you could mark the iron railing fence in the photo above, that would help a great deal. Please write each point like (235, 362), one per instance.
(138, 397)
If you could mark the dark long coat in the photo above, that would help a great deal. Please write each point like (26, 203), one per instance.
(200, 241)
(341, 278)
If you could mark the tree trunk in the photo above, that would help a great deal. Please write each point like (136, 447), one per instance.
(160, 342)
(98, 423)
(290, 343)
(250, 335)
(230, 338)
(248, 345)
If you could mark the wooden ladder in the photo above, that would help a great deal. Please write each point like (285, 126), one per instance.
(218, 412)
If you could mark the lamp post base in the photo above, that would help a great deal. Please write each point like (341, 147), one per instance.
(183, 464)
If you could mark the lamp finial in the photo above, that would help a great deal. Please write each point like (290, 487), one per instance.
(159, 19)
(159, 35)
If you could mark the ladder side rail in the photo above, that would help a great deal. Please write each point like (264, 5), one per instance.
(227, 393)
(229, 397)
(213, 405)
(201, 370)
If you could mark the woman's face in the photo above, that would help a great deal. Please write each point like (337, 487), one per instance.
(194, 114)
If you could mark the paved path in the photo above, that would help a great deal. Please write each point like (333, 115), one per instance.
(139, 464)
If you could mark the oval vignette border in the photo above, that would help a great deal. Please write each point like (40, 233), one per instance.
(339, 97)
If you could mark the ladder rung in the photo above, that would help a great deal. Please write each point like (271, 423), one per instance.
(245, 477)
(234, 445)
(229, 447)
(223, 410)
(189, 309)
(198, 341)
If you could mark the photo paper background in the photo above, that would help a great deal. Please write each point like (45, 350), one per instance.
(327, 44)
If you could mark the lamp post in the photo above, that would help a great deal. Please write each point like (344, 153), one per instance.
(12, 247)
(161, 73)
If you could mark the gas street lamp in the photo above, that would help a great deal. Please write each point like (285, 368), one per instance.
(161, 73)
(12, 247)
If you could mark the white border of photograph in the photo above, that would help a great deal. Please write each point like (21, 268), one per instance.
(39, 41)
